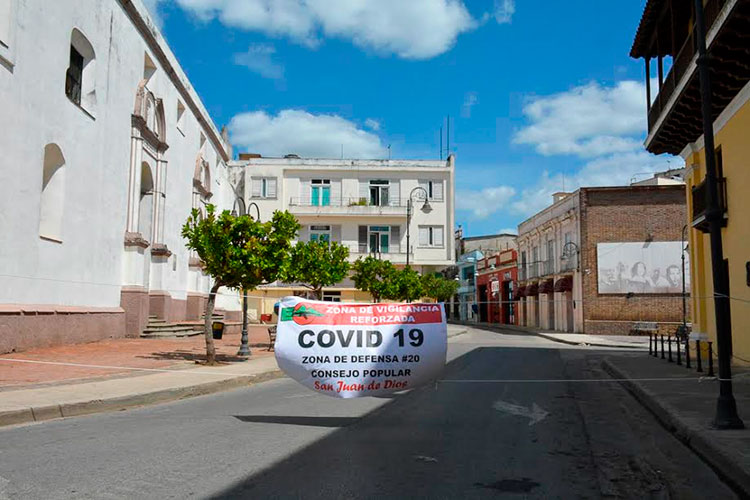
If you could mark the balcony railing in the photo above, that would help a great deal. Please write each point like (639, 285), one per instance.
(548, 268)
(364, 249)
(348, 202)
(699, 193)
(680, 65)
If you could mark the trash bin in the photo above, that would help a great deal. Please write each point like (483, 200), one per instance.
(218, 328)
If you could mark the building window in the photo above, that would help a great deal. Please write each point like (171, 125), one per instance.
(431, 236)
(320, 192)
(53, 194)
(146, 202)
(550, 257)
(320, 233)
(434, 190)
(379, 238)
(264, 187)
(180, 117)
(331, 296)
(379, 190)
(80, 77)
(534, 268)
(149, 67)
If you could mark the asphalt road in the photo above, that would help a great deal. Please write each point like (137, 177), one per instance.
(470, 437)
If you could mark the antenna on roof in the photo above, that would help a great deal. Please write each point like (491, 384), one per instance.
(448, 138)
(441, 142)
(389, 151)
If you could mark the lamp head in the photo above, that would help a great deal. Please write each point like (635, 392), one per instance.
(426, 208)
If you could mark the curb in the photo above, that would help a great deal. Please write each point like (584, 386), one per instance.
(461, 332)
(593, 344)
(695, 439)
(50, 412)
(531, 331)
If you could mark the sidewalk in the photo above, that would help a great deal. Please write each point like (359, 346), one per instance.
(118, 374)
(112, 375)
(686, 408)
(579, 339)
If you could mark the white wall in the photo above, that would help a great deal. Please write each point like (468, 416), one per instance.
(293, 176)
(85, 268)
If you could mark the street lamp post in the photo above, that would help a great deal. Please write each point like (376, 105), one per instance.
(426, 208)
(726, 406)
(244, 347)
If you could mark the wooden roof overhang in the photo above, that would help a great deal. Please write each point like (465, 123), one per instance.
(672, 127)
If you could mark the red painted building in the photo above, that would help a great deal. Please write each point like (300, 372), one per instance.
(497, 279)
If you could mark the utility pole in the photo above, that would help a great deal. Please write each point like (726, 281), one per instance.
(726, 406)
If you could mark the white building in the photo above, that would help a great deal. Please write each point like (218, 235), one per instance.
(106, 147)
(361, 204)
(548, 267)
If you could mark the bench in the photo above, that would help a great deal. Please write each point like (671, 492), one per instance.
(271, 336)
(644, 327)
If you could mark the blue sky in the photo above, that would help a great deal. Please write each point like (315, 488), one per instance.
(542, 93)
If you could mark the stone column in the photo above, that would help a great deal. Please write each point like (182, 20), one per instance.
(134, 180)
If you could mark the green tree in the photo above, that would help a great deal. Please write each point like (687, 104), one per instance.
(438, 287)
(238, 252)
(409, 285)
(378, 277)
(317, 264)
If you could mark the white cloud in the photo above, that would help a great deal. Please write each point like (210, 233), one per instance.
(416, 29)
(484, 203)
(588, 121)
(372, 124)
(504, 10)
(259, 58)
(611, 170)
(470, 99)
(303, 133)
(509, 230)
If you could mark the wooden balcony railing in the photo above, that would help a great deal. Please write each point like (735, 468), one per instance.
(680, 65)
(699, 194)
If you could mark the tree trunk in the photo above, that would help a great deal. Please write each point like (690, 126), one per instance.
(207, 327)
(318, 293)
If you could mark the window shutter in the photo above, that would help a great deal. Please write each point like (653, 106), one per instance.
(336, 234)
(395, 193)
(437, 236)
(271, 188)
(304, 191)
(362, 239)
(364, 190)
(437, 190)
(424, 185)
(256, 190)
(424, 236)
(395, 239)
(336, 194)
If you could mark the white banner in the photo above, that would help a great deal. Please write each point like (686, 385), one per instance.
(352, 350)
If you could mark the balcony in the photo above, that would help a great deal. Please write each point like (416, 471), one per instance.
(674, 115)
(699, 194)
(392, 254)
(346, 206)
(548, 268)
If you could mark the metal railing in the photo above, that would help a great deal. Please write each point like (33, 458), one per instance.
(341, 201)
(365, 249)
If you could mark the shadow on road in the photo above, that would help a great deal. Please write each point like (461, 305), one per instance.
(444, 441)
(308, 421)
